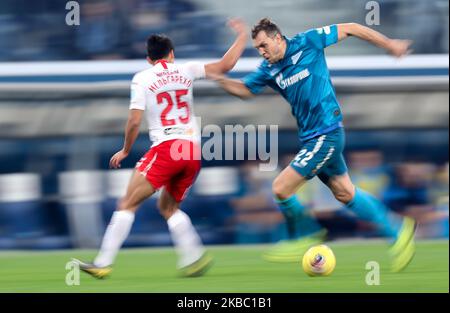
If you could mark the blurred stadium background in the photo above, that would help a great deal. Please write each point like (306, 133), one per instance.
(64, 93)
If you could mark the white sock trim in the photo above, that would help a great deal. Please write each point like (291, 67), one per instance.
(177, 218)
(126, 214)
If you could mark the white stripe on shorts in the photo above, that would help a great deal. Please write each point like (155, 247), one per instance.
(149, 166)
(319, 144)
(328, 156)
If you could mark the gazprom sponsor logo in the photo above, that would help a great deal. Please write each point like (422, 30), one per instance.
(284, 83)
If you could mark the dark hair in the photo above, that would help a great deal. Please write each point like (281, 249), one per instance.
(267, 26)
(158, 47)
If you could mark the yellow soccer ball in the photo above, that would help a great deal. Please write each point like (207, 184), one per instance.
(319, 261)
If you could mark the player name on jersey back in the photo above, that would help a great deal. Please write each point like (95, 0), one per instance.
(171, 77)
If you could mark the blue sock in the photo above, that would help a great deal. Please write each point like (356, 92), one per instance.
(368, 208)
(299, 223)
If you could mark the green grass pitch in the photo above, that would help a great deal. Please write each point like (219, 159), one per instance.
(236, 269)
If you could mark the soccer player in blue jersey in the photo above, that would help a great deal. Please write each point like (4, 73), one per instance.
(296, 68)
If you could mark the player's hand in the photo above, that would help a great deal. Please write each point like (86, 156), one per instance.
(399, 48)
(238, 26)
(117, 159)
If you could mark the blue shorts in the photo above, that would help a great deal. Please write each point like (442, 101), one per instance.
(322, 156)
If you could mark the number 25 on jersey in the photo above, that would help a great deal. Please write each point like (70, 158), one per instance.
(167, 98)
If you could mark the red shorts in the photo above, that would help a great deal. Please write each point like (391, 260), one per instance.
(174, 166)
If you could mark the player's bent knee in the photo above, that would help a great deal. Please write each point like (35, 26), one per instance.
(122, 204)
(167, 206)
(344, 196)
(280, 191)
(125, 204)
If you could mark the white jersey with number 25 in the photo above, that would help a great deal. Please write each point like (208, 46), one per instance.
(164, 91)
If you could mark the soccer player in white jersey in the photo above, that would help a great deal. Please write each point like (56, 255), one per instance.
(164, 94)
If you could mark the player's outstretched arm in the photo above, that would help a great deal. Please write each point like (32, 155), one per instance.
(233, 54)
(131, 133)
(232, 86)
(395, 47)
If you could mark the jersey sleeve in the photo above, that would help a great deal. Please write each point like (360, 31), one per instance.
(137, 95)
(256, 81)
(322, 37)
(195, 69)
